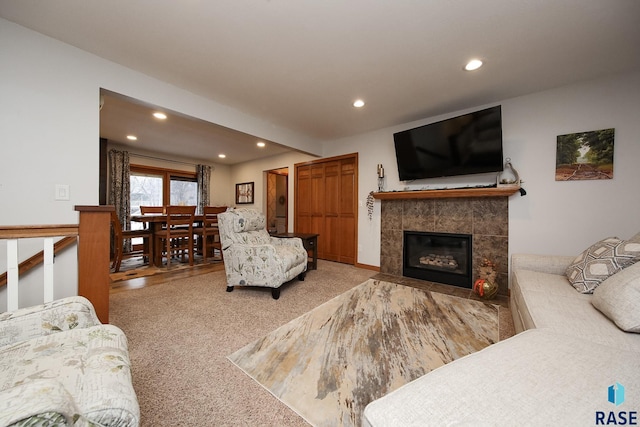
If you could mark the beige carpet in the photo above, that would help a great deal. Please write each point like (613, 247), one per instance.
(328, 364)
(181, 333)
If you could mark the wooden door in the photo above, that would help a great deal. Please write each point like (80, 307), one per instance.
(331, 241)
(348, 212)
(302, 207)
(326, 194)
(317, 204)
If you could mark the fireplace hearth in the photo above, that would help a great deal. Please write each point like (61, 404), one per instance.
(438, 257)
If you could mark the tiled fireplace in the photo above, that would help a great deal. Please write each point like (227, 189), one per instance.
(486, 219)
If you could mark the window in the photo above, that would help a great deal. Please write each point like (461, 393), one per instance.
(184, 191)
(146, 190)
(150, 186)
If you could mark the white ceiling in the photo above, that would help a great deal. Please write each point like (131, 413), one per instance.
(300, 63)
(178, 134)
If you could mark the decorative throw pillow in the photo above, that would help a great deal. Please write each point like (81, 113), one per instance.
(618, 298)
(635, 239)
(600, 261)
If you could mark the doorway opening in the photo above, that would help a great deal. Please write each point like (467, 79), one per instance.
(278, 200)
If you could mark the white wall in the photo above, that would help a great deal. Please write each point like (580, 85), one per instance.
(48, 135)
(49, 121)
(554, 217)
(566, 217)
(255, 171)
(49, 132)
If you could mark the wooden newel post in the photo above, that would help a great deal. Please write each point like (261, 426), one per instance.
(94, 235)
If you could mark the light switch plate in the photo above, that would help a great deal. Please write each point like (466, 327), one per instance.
(62, 192)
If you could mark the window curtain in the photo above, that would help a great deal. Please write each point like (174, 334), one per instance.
(203, 173)
(119, 191)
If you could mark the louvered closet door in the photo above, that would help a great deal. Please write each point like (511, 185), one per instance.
(326, 204)
(302, 218)
(348, 213)
(317, 206)
(331, 241)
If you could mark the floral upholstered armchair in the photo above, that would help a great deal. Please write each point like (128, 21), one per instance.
(60, 366)
(253, 258)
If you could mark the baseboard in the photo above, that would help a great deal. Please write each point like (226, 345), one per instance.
(367, 267)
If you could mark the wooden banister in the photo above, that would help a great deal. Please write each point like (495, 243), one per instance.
(93, 257)
(11, 234)
(31, 231)
(93, 237)
(26, 265)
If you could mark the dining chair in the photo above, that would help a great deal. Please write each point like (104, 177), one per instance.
(119, 237)
(152, 210)
(209, 234)
(177, 236)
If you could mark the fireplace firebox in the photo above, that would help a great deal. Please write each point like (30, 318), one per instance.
(438, 257)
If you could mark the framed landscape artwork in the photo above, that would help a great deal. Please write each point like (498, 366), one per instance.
(244, 193)
(585, 155)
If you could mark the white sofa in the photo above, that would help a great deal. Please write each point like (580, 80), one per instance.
(567, 362)
(59, 366)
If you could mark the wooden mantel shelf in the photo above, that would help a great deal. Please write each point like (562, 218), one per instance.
(447, 194)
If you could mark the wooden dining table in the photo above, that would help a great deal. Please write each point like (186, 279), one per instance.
(156, 222)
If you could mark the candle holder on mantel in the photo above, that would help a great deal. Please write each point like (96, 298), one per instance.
(380, 177)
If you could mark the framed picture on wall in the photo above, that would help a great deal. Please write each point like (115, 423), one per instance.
(244, 193)
(585, 155)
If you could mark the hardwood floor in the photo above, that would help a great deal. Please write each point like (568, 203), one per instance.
(163, 277)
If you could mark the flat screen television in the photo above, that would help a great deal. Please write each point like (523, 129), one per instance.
(463, 145)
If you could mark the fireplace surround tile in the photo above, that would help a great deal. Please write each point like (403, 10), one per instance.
(391, 265)
(391, 212)
(390, 242)
(453, 216)
(417, 215)
(491, 216)
(486, 219)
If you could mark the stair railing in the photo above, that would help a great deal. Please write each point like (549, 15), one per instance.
(93, 237)
(48, 232)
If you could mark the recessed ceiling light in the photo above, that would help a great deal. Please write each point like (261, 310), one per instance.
(358, 103)
(222, 156)
(159, 115)
(474, 64)
(132, 137)
(261, 144)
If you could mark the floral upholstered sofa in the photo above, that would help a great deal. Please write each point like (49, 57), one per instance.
(252, 257)
(59, 366)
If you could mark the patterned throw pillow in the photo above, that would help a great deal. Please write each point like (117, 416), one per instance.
(600, 261)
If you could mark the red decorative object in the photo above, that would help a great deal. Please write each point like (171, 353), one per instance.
(487, 286)
(478, 287)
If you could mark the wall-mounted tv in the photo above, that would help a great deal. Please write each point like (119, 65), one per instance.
(464, 145)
